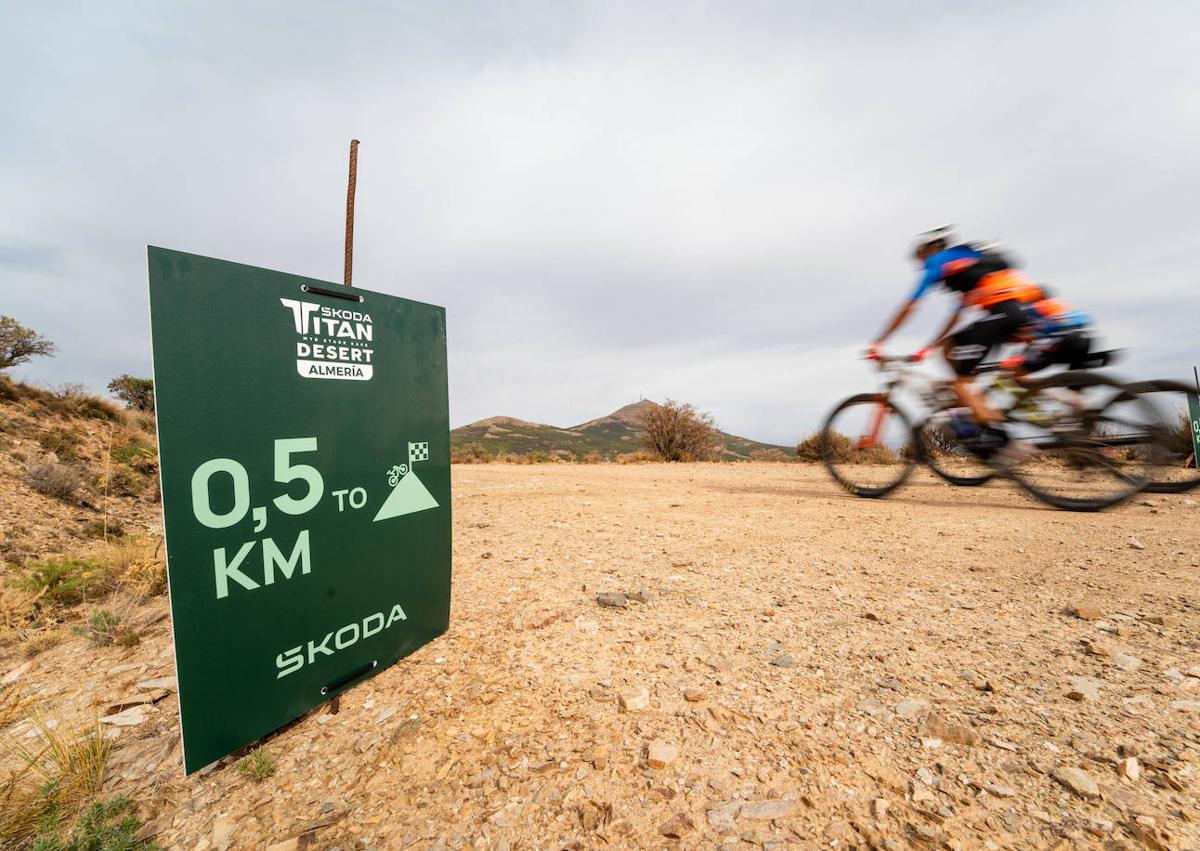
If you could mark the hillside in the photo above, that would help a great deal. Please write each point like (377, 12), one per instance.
(607, 436)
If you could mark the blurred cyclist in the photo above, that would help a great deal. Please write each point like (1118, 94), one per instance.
(1018, 310)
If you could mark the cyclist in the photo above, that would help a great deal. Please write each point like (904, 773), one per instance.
(1018, 310)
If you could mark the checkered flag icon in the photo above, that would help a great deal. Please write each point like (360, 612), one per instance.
(418, 452)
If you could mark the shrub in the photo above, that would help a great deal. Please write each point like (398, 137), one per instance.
(106, 826)
(592, 457)
(137, 393)
(257, 765)
(775, 455)
(469, 453)
(51, 780)
(809, 449)
(1178, 436)
(639, 457)
(675, 431)
(841, 449)
(135, 453)
(64, 582)
(54, 480)
(19, 344)
(537, 456)
(99, 529)
(940, 439)
(122, 481)
(104, 628)
(64, 444)
(40, 642)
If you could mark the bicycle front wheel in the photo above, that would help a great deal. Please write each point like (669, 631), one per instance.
(1081, 441)
(867, 445)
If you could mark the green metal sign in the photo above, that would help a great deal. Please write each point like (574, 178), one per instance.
(1194, 416)
(305, 457)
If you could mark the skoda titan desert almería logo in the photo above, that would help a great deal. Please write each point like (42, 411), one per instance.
(333, 343)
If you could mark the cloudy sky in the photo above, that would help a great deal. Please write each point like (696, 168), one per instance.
(704, 201)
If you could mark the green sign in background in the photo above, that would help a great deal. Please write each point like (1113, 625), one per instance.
(1194, 416)
(304, 447)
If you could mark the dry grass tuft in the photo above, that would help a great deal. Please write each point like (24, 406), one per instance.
(49, 780)
(136, 565)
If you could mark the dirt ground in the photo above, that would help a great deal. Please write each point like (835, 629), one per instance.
(947, 667)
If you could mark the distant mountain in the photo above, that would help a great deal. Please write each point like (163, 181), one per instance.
(611, 435)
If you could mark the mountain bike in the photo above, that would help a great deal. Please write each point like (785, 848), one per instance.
(1080, 440)
(1172, 463)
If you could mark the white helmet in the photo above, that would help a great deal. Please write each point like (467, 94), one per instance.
(945, 234)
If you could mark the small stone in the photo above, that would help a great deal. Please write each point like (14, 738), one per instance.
(784, 660)
(1078, 781)
(222, 833)
(641, 595)
(612, 599)
(721, 817)
(677, 828)
(599, 756)
(1181, 705)
(1087, 612)
(167, 683)
(1193, 672)
(16, 673)
(999, 791)
(766, 810)
(634, 699)
(1129, 768)
(911, 708)
(957, 734)
(127, 718)
(1163, 620)
(1136, 544)
(1084, 688)
(872, 707)
(1126, 662)
(693, 695)
(660, 754)
(879, 808)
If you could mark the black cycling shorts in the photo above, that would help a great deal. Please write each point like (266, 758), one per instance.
(972, 344)
(1072, 350)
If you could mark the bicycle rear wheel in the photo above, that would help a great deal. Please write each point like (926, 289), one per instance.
(867, 445)
(946, 454)
(1173, 464)
(1081, 441)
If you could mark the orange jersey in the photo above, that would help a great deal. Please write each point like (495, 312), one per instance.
(1004, 285)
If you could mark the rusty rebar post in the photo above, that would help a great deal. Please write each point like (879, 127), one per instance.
(347, 274)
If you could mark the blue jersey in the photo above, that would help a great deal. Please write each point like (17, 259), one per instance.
(936, 267)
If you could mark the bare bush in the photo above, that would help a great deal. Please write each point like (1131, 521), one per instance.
(54, 480)
(675, 431)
